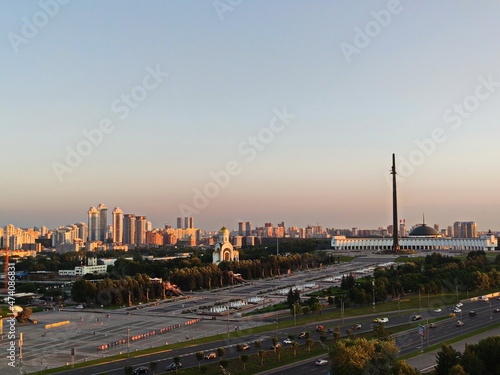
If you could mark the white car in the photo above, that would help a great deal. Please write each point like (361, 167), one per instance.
(287, 341)
(437, 310)
(321, 362)
(383, 320)
(456, 310)
(459, 304)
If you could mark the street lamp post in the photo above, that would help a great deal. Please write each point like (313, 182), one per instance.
(128, 341)
(373, 287)
(491, 313)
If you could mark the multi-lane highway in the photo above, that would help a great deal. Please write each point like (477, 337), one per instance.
(407, 341)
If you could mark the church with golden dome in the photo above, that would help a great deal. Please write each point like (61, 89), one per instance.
(224, 250)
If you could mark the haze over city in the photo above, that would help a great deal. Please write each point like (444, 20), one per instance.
(272, 111)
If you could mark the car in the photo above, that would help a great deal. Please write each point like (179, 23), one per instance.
(278, 345)
(356, 326)
(321, 362)
(383, 320)
(301, 335)
(141, 370)
(472, 313)
(459, 323)
(496, 310)
(432, 325)
(319, 328)
(329, 330)
(452, 315)
(287, 341)
(456, 310)
(459, 304)
(174, 366)
(416, 317)
(211, 355)
(437, 310)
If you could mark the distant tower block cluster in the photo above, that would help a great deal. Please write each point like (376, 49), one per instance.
(187, 221)
(224, 251)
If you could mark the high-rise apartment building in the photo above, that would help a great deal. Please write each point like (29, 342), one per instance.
(129, 229)
(188, 223)
(93, 224)
(117, 225)
(140, 230)
(83, 232)
(179, 223)
(464, 229)
(241, 228)
(248, 228)
(103, 222)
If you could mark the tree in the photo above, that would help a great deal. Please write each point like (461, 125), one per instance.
(446, 358)
(244, 359)
(129, 370)
(257, 344)
(306, 310)
(309, 344)
(381, 332)
(177, 361)
(153, 366)
(323, 338)
(293, 297)
(199, 358)
(348, 332)
(401, 368)
(336, 333)
(296, 309)
(295, 346)
(261, 354)
(275, 342)
(239, 349)
(330, 300)
(360, 356)
(278, 350)
(221, 351)
(457, 370)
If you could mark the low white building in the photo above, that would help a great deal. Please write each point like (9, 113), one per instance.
(421, 238)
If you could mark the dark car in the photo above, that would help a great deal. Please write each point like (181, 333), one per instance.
(301, 335)
(356, 326)
(174, 366)
(141, 370)
(472, 313)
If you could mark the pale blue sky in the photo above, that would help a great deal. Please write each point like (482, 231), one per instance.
(226, 77)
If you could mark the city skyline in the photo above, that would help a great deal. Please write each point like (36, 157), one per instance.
(263, 112)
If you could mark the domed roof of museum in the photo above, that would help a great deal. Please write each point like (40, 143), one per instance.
(424, 231)
(223, 229)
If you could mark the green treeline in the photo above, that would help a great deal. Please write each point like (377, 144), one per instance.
(434, 275)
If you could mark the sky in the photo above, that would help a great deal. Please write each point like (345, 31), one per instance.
(262, 111)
